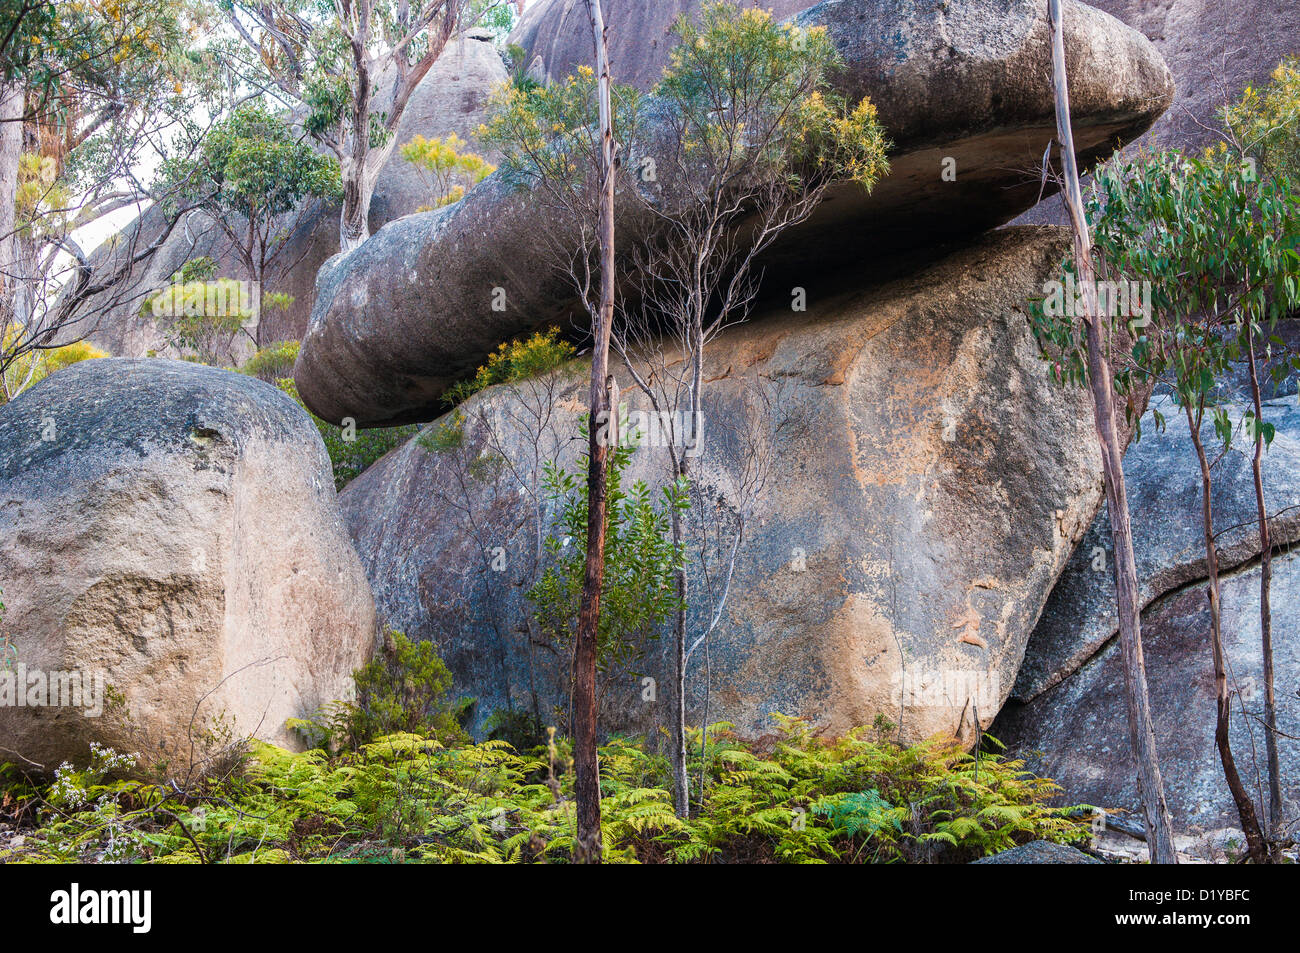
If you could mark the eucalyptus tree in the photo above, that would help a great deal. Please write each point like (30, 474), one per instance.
(1218, 244)
(90, 91)
(1263, 128)
(350, 67)
(563, 142)
(256, 178)
(1083, 353)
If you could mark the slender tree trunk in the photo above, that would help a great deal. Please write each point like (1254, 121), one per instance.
(11, 147)
(258, 278)
(1265, 609)
(354, 221)
(586, 768)
(681, 775)
(1223, 698)
(681, 781)
(1142, 738)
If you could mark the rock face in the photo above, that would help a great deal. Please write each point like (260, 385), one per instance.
(1214, 51)
(916, 515)
(1165, 497)
(410, 312)
(1210, 48)
(556, 35)
(170, 530)
(1067, 716)
(1077, 732)
(1040, 852)
(452, 98)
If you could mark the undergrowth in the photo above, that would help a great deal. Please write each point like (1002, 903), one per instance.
(407, 797)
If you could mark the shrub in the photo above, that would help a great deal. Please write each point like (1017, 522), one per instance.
(1266, 122)
(448, 435)
(34, 366)
(639, 592)
(445, 168)
(273, 362)
(515, 58)
(522, 730)
(515, 361)
(404, 689)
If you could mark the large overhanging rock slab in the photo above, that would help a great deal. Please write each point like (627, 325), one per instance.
(961, 86)
(929, 483)
(169, 531)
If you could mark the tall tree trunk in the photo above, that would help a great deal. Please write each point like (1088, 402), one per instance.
(358, 190)
(354, 221)
(586, 767)
(1265, 609)
(1160, 838)
(1223, 698)
(359, 171)
(681, 781)
(12, 99)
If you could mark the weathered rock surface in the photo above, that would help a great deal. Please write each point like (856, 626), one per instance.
(1213, 50)
(173, 529)
(556, 36)
(452, 98)
(1040, 852)
(411, 311)
(916, 517)
(1164, 490)
(1077, 732)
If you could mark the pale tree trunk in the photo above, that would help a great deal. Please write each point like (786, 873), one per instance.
(681, 782)
(357, 170)
(681, 776)
(359, 180)
(1222, 697)
(586, 767)
(11, 148)
(361, 161)
(1160, 837)
(354, 225)
(1265, 609)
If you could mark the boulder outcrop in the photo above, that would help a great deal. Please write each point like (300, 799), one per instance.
(1214, 50)
(962, 85)
(927, 483)
(1040, 852)
(170, 533)
(1066, 715)
(1077, 732)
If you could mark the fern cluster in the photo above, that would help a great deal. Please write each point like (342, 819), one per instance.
(410, 798)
